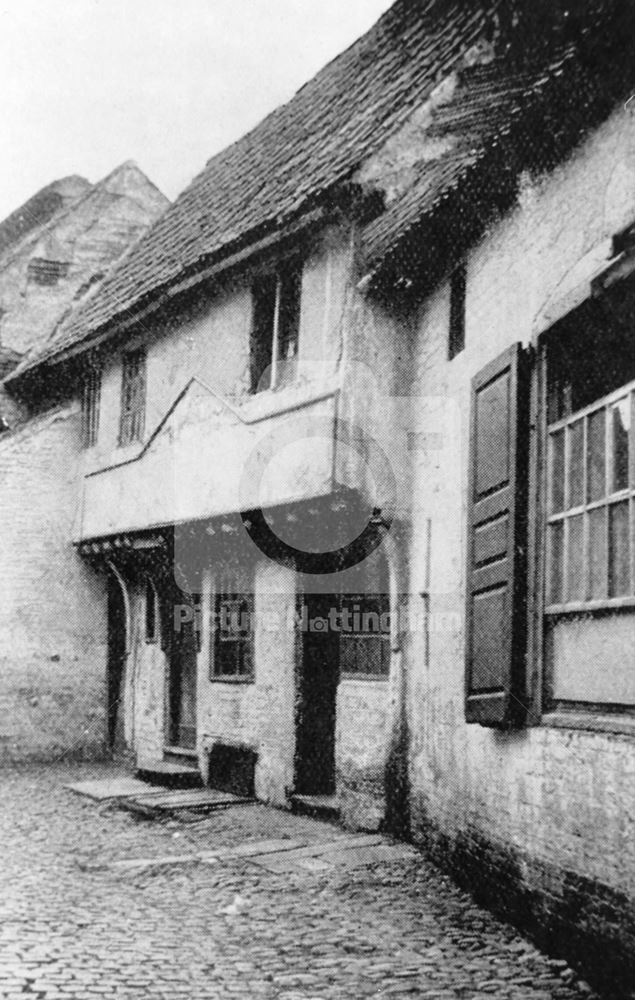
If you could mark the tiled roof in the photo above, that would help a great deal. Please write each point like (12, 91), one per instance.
(293, 157)
(483, 110)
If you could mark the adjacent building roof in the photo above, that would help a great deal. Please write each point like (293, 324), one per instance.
(294, 156)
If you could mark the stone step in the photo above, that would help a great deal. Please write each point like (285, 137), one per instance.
(169, 773)
(319, 806)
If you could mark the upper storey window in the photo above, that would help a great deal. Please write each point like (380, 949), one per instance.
(133, 396)
(275, 328)
(46, 272)
(91, 392)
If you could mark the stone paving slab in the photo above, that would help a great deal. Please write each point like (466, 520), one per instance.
(119, 787)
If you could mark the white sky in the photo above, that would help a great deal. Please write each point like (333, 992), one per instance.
(86, 84)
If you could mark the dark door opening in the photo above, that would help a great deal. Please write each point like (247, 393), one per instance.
(182, 688)
(317, 694)
(116, 665)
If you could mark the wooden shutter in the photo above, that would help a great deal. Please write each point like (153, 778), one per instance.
(497, 529)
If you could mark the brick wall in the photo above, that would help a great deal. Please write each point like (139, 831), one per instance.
(52, 607)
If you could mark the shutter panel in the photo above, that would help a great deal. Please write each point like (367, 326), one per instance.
(497, 528)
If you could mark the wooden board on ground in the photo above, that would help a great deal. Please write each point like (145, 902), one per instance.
(196, 799)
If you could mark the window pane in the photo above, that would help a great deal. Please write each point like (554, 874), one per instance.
(556, 535)
(597, 554)
(576, 464)
(596, 439)
(575, 559)
(619, 550)
(620, 426)
(557, 472)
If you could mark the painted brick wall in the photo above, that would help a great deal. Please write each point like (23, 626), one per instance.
(52, 607)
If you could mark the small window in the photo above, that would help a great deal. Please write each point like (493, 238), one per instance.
(91, 392)
(365, 635)
(133, 397)
(276, 324)
(46, 272)
(458, 283)
(365, 619)
(232, 649)
(152, 611)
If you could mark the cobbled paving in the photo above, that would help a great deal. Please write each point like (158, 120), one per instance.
(74, 925)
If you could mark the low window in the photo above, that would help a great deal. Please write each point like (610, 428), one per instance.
(456, 340)
(133, 397)
(232, 649)
(275, 330)
(152, 612)
(91, 392)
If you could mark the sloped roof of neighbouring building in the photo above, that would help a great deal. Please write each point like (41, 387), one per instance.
(290, 162)
(294, 155)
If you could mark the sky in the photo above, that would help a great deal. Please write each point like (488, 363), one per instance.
(87, 84)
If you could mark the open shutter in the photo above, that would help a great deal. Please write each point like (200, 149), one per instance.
(497, 529)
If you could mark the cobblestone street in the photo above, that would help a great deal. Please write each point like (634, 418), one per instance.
(76, 924)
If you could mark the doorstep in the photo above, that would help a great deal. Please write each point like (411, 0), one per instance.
(318, 806)
(169, 774)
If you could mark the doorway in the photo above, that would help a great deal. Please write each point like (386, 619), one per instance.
(317, 696)
(117, 642)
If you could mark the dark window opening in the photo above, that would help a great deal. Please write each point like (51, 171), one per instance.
(152, 615)
(133, 393)
(91, 392)
(232, 649)
(46, 272)
(458, 284)
(590, 355)
(275, 332)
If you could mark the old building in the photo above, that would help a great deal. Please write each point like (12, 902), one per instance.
(358, 479)
(54, 252)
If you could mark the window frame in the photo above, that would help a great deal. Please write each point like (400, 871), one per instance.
(610, 499)
(90, 406)
(545, 709)
(379, 636)
(289, 272)
(133, 397)
(244, 646)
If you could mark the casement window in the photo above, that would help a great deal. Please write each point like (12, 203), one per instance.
(365, 635)
(151, 611)
(458, 287)
(365, 619)
(275, 328)
(91, 393)
(591, 493)
(589, 557)
(232, 648)
(133, 397)
(582, 483)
